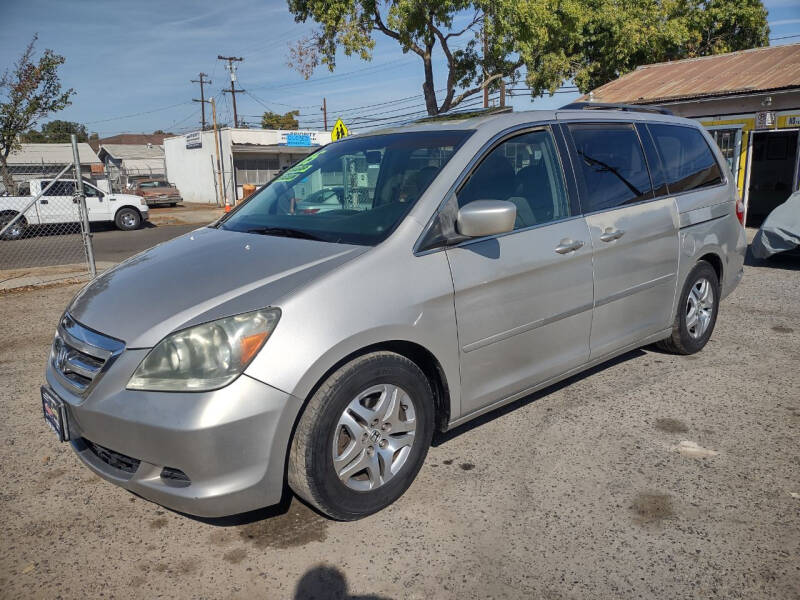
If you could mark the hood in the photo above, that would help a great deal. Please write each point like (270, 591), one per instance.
(201, 276)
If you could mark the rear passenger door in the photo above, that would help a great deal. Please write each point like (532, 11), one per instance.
(523, 299)
(634, 233)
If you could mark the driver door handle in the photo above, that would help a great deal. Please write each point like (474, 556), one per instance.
(567, 245)
(609, 235)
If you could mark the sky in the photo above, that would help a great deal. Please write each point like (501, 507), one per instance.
(131, 63)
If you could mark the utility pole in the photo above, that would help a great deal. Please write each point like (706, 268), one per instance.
(202, 81)
(485, 72)
(324, 110)
(233, 91)
(216, 151)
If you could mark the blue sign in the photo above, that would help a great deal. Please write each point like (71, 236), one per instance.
(298, 139)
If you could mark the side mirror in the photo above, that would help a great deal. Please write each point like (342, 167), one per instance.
(486, 217)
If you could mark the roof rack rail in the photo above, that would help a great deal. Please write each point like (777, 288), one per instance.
(611, 106)
(466, 113)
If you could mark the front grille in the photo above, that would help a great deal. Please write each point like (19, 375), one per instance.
(115, 459)
(80, 355)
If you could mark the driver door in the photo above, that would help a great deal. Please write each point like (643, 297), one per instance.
(523, 299)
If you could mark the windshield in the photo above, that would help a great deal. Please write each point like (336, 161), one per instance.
(354, 191)
(153, 184)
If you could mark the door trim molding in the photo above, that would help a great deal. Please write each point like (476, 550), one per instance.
(635, 289)
(509, 333)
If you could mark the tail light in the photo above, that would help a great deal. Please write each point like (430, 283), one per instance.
(740, 210)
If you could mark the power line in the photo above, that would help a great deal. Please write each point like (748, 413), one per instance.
(145, 112)
(784, 37)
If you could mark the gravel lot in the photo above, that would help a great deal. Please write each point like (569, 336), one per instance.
(581, 491)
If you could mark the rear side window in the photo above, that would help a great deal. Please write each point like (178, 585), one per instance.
(688, 161)
(612, 164)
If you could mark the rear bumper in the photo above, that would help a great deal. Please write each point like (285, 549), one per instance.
(162, 201)
(231, 443)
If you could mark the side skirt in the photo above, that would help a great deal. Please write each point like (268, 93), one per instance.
(665, 333)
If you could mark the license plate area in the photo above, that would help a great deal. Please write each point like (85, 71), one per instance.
(55, 414)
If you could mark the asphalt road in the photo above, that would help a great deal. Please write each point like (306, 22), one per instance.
(110, 245)
(590, 489)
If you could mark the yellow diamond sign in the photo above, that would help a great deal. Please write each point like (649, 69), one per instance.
(339, 130)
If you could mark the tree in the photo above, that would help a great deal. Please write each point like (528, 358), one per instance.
(614, 43)
(28, 93)
(56, 132)
(544, 42)
(271, 120)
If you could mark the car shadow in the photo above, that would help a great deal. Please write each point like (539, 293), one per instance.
(442, 438)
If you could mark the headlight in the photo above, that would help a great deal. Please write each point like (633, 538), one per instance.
(207, 356)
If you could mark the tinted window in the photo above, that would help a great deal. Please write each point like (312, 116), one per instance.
(524, 170)
(688, 161)
(60, 188)
(612, 164)
(353, 191)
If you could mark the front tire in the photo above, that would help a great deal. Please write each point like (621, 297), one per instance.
(17, 230)
(128, 219)
(363, 436)
(696, 316)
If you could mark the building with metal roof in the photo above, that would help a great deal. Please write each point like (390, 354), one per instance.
(750, 103)
(124, 162)
(34, 161)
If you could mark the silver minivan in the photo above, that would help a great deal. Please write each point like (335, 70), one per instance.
(469, 262)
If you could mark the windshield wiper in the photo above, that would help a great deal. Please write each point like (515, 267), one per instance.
(286, 232)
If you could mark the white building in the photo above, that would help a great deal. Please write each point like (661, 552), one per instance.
(247, 156)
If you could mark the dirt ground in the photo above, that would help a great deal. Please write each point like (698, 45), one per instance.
(652, 476)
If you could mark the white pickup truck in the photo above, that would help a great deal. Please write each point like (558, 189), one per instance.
(59, 205)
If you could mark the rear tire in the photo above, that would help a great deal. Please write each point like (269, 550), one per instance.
(363, 436)
(697, 310)
(17, 230)
(128, 219)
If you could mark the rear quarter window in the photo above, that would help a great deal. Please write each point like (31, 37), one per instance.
(688, 161)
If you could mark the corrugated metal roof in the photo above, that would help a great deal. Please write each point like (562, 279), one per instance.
(126, 151)
(144, 165)
(756, 70)
(52, 154)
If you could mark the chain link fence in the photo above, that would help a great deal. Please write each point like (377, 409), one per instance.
(44, 226)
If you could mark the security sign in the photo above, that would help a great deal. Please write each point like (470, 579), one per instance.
(339, 130)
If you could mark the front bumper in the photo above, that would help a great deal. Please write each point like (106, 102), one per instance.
(230, 443)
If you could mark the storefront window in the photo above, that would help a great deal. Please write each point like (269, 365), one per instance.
(729, 140)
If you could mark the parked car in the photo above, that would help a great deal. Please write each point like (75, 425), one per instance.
(780, 231)
(321, 201)
(157, 192)
(327, 347)
(59, 205)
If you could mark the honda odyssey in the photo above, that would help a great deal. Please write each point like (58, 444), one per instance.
(467, 263)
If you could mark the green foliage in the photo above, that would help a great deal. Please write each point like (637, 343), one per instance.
(56, 132)
(625, 34)
(271, 120)
(29, 92)
(544, 42)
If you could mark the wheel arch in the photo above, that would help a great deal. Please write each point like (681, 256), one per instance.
(714, 259)
(416, 353)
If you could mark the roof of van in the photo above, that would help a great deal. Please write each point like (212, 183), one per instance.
(505, 120)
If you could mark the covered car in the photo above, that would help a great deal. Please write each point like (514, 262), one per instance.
(780, 231)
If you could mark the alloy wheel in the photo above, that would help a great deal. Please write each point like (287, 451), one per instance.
(699, 307)
(373, 437)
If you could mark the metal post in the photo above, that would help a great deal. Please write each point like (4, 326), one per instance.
(87, 234)
(324, 110)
